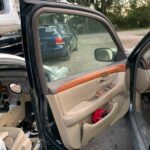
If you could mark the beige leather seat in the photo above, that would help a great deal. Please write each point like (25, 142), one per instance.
(15, 139)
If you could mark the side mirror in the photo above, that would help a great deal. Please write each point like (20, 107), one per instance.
(16, 88)
(105, 54)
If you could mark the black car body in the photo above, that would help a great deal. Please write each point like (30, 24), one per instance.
(11, 44)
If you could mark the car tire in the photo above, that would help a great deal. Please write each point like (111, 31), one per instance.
(68, 54)
(76, 48)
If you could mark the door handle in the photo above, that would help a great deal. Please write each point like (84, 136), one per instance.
(103, 79)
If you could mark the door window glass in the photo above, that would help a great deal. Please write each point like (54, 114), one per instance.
(73, 44)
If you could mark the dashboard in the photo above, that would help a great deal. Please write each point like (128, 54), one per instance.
(9, 84)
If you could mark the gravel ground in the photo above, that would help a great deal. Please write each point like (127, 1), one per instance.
(114, 138)
(130, 39)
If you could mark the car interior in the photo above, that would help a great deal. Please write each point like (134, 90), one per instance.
(74, 102)
(142, 101)
(18, 129)
(108, 91)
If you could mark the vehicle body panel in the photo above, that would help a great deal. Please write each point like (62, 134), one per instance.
(11, 59)
(77, 94)
(9, 11)
(11, 45)
(73, 100)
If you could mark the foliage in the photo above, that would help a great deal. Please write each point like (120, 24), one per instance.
(100, 5)
(139, 17)
(136, 13)
(118, 21)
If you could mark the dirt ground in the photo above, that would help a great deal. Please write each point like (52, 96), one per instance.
(130, 39)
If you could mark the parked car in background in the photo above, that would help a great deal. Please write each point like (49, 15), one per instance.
(9, 19)
(10, 40)
(11, 44)
(57, 41)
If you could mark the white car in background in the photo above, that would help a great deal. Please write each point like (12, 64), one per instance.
(9, 18)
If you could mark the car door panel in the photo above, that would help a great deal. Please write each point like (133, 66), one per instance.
(104, 75)
(143, 78)
(75, 101)
(91, 130)
(74, 97)
(143, 73)
(142, 85)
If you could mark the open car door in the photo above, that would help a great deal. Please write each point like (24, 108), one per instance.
(87, 85)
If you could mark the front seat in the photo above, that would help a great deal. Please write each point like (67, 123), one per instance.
(15, 139)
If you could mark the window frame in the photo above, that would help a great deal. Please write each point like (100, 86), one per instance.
(31, 37)
(2, 8)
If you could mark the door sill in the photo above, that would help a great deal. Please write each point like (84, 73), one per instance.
(136, 136)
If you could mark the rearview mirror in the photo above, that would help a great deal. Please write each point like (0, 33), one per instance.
(105, 54)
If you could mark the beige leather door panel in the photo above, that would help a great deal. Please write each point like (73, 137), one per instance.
(91, 130)
(143, 78)
(89, 103)
(75, 102)
(142, 85)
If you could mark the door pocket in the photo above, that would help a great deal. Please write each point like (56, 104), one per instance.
(91, 130)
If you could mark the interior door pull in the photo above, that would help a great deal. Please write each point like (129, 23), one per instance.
(105, 79)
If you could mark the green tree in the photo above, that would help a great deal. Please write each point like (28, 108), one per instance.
(136, 12)
(100, 5)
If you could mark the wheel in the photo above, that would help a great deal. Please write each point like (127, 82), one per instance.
(68, 54)
(76, 48)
